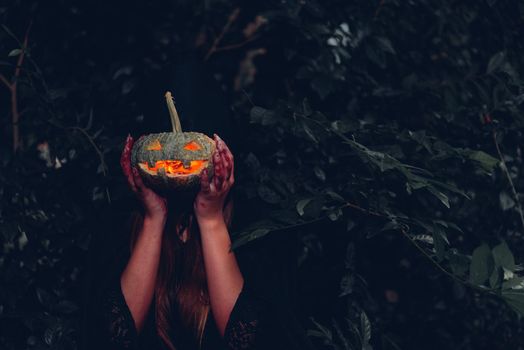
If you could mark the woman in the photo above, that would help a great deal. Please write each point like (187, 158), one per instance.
(179, 285)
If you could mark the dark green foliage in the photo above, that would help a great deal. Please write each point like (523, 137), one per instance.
(386, 134)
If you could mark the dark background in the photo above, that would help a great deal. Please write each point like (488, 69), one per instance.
(378, 150)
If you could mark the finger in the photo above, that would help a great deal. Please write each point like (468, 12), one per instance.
(227, 169)
(223, 147)
(226, 158)
(218, 179)
(125, 162)
(223, 156)
(140, 187)
(204, 181)
(228, 164)
(125, 158)
(229, 158)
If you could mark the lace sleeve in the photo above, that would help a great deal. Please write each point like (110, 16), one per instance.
(109, 323)
(117, 320)
(247, 322)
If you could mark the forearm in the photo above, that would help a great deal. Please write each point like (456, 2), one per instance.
(224, 278)
(139, 277)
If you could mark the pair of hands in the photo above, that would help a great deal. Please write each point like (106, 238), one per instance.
(209, 202)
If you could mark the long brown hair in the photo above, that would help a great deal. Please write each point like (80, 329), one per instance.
(181, 295)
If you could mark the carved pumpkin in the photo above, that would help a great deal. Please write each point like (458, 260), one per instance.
(173, 160)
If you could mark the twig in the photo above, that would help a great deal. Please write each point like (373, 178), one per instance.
(92, 142)
(367, 211)
(12, 86)
(232, 18)
(236, 46)
(379, 7)
(403, 231)
(441, 268)
(508, 175)
(5, 81)
(422, 250)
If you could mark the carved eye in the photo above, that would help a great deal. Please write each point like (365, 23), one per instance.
(192, 146)
(154, 146)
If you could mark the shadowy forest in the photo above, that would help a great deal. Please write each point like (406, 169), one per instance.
(378, 156)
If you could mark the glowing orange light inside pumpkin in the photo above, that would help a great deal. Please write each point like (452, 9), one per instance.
(155, 146)
(192, 146)
(176, 167)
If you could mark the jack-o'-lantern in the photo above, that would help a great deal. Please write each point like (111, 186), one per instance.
(173, 160)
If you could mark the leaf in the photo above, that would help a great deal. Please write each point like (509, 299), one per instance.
(514, 283)
(385, 45)
(390, 225)
(459, 263)
(335, 196)
(125, 70)
(440, 240)
(424, 238)
(503, 257)
(44, 297)
(262, 116)
(322, 85)
(320, 174)
(309, 132)
(365, 327)
(506, 202)
(341, 336)
(22, 240)
(302, 204)
(350, 256)
(346, 284)
(495, 62)
(322, 331)
(496, 277)
(376, 56)
(441, 196)
(481, 264)
(515, 299)
(49, 336)
(484, 160)
(268, 195)
(128, 86)
(246, 237)
(335, 214)
(66, 307)
(14, 52)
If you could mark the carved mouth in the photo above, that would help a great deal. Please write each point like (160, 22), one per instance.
(175, 168)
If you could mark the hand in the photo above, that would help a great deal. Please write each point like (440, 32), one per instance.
(155, 206)
(209, 202)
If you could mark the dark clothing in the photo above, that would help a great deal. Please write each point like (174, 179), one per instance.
(256, 321)
(117, 330)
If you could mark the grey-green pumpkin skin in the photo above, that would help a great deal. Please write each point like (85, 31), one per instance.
(172, 149)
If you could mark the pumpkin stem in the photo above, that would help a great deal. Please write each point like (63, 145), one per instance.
(175, 120)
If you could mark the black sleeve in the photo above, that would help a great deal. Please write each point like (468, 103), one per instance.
(117, 323)
(247, 323)
(108, 323)
(264, 316)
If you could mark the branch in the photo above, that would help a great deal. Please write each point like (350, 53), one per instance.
(15, 115)
(421, 249)
(441, 268)
(508, 176)
(379, 7)
(232, 18)
(235, 46)
(93, 143)
(366, 211)
(6, 82)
